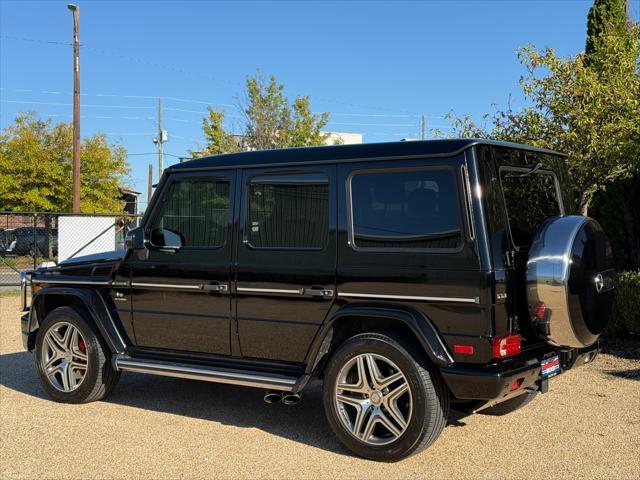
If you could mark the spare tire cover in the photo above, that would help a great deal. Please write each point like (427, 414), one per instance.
(570, 272)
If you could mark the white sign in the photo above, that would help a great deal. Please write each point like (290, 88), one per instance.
(79, 236)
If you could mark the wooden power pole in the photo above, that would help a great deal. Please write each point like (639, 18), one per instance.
(150, 186)
(75, 199)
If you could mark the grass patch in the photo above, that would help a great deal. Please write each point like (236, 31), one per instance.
(14, 292)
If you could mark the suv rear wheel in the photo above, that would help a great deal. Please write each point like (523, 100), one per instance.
(380, 401)
(72, 360)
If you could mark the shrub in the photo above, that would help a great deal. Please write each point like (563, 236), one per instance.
(625, 318)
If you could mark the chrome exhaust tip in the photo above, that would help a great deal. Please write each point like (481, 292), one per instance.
(272, 397)
(291, 399)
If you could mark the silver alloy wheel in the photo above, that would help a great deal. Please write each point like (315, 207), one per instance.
(373, 399)
(64, 357)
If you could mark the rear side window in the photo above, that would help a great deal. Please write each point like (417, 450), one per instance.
(288, 212)
(196, 210)
(413, 209)
(530, 199)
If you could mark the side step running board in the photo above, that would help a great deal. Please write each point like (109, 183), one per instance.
(209, 374)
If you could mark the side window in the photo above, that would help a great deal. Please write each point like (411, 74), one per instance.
(412, 209)
(288, 212)
(194, 213)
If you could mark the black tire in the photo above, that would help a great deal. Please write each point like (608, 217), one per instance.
(429, 393)
(100, 377)
(510, 405)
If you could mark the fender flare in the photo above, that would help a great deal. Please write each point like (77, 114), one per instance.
(97, 307)
(421, 326)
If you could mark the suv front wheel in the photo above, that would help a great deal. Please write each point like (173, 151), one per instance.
(72, 359)
(382, 402)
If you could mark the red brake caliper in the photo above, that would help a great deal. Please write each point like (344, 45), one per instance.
(83, 348)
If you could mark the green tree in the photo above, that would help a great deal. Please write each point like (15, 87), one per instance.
(271, 120)
(606, 17)
(35, 168)
(591, 114)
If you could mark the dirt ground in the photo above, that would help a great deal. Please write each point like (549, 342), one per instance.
(587, 426)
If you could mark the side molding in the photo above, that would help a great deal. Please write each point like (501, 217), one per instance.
(418, 323)
(96, 305)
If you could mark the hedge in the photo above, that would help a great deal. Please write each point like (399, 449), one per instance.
(625, 318)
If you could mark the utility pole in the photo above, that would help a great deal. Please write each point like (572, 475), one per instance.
(150, 185)
(424, 127)
(75, 199)
(160, 139)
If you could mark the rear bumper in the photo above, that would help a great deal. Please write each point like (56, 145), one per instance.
(494, 382)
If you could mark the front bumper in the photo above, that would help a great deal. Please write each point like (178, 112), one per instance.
(494, 382)
(27, 342)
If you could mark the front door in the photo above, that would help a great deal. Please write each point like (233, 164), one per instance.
(181, 290)
(286, 259)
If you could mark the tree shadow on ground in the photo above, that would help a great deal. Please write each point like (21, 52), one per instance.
(226, 404)
(623, 347)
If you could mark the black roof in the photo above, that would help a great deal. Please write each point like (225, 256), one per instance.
(336, 153)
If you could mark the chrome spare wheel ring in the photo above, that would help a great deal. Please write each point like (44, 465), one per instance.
(373, 399)
(64, 357)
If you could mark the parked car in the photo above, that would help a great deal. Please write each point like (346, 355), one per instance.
(410, 277)
(30, 241)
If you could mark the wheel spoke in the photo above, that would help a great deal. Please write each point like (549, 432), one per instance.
(359, 421)
(68, 378)
(69, 335)
(368, 429)
(391, 404)
(374, 372)
(51, 373)
(391, 379)
(78, 365)
(388, 424)
(49, 363)
(354, 402)
(52, 343)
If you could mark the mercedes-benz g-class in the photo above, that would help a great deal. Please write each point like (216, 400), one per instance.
(410, 277)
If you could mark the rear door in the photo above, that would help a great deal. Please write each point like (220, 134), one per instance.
(286, 259)
(181, 295)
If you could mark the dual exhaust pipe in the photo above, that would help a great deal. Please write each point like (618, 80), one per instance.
(287, 398)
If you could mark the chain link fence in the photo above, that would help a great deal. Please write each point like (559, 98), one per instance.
(29, 239)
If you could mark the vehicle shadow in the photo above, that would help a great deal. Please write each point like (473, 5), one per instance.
(628, 374)
(226, 404)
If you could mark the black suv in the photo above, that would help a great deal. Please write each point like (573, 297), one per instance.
(411, 277)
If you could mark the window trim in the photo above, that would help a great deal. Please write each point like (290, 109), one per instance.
(461, 209)
(277, 178)
(159, 202)
(556, 183)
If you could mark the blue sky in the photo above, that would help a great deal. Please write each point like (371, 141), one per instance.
(375, 65)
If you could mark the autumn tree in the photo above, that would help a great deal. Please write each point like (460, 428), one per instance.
(36, 164)
(589, 110)
(270, 120)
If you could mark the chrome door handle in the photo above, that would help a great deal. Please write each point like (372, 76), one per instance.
(220, 288)
(318, 292)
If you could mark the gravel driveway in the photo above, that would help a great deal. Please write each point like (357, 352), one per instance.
(587, 426)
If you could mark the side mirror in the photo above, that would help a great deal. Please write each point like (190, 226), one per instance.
(166, 239)
(134, 239)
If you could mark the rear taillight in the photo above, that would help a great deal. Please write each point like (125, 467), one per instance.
(539, 311)
(506, 345)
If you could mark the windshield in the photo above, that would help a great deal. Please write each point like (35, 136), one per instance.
(530, 198)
